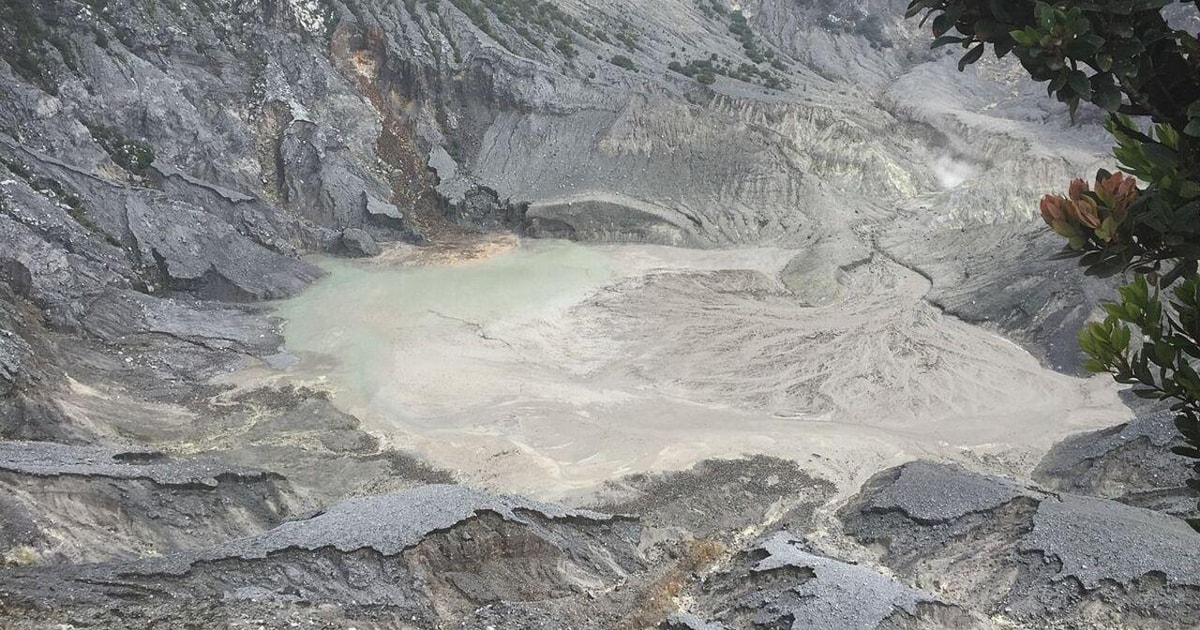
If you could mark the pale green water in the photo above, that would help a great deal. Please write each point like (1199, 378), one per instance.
(352, 323)
(504, 370)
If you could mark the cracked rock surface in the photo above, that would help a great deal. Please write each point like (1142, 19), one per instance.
(58, 497)
(47, 459)
(1096, 540)
(1131, 463)
(777, 582)
(408, 557)
(387, 524)
(1029, 555)
(839, 594)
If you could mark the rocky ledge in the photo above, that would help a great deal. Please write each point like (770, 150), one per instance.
(1021, 553)
(924, 545)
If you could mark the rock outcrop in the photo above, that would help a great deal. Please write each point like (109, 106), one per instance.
(414, 558)
(1020, 553)
(1131, 463)
(60, 502)
(778, 583)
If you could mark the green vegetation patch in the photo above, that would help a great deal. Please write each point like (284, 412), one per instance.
(712, 9)
(702, 70)
(16, 168)
(131, 155)
(621, 61)
(741, 29)
(28, 42)
(565, 46)
(538, 23)
(706, 70)
(52, 189)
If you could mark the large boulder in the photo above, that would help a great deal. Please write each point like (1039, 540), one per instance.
(358, 244)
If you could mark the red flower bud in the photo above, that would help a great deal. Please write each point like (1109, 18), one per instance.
(1078, 187)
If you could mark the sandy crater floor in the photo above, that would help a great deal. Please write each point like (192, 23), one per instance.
(549, 368)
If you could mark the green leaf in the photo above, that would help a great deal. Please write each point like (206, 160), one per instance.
(1189, 189)
(1164, 353)
(1161, 154)
(1045, 15)
(1024, 37)
(1003, 47)
(945, 40)
(971, 57)
(1084, 47)
(1186, 425)
(942, 24)
(1066, 253)
(1058, 83)
(1120, 338)
(1107, 97)
(1106, 268)
(1114, 310)
(1186, 451)
(1140, 290)
(1079, 83)
(1089, 337)
(999, 9)
(1167, 135)
(1094, 365)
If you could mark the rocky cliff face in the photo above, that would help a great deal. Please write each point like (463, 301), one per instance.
(194, 148)
(163, 165)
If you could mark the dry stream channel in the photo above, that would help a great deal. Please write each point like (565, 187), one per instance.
(552, 367)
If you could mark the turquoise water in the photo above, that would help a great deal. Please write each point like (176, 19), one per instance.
(350, 322)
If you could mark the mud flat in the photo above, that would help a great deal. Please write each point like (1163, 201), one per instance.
(552, 367)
